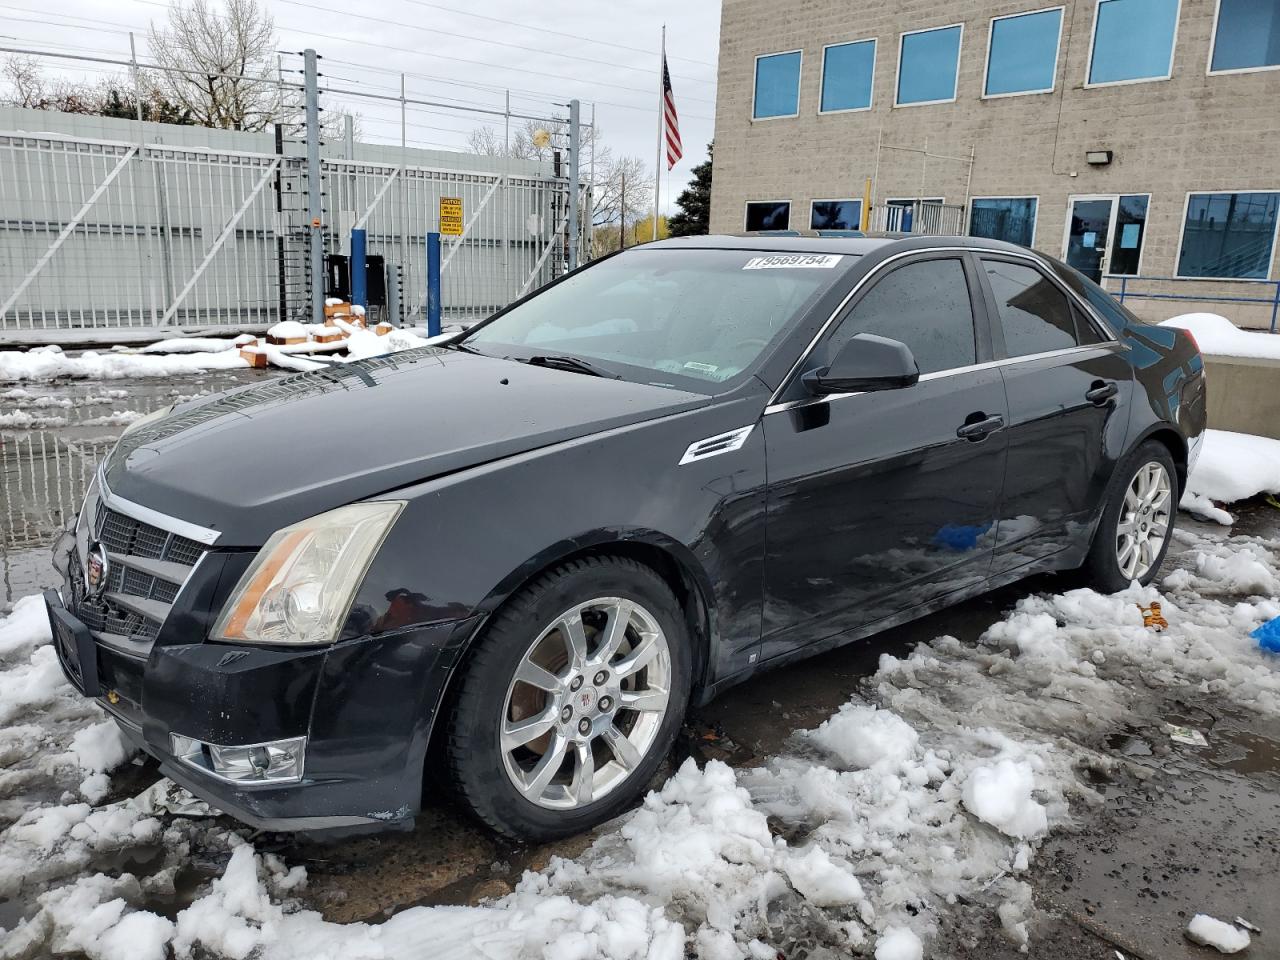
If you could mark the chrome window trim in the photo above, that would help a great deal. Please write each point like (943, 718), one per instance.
(1072, 296)
(951, 372)
(137, 511)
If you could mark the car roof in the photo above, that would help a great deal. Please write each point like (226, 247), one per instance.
(811, 243)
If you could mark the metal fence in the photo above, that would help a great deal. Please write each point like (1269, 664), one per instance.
(1121, 287)
(936, 219)
(102, 236)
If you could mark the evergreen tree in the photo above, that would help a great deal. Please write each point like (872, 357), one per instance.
(694, 217)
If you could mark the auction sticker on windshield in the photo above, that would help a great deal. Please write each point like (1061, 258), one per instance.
(789, 261)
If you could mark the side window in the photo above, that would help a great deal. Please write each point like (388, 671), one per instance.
(926, 306)
(1034, 313)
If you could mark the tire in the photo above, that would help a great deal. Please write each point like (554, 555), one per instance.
(519, 789)
(1103, 568)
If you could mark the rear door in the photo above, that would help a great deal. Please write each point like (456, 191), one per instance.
(1068, 383)
(875, 503)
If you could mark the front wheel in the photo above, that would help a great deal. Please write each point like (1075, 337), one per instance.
(1137, 520)
(572, 699)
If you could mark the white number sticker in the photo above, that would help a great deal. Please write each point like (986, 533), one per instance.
(792, 261)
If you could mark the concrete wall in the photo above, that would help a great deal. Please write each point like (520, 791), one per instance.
(1189, 133)
(1244, 395)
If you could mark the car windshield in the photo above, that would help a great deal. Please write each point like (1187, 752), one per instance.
(693, 318)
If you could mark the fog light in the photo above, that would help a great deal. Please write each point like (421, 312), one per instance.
(277, 761)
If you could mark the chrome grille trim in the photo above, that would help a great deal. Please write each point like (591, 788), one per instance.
(136, 511)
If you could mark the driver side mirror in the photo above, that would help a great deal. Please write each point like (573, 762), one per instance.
(866, 362)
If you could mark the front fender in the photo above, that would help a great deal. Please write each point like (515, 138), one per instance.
(466, 542)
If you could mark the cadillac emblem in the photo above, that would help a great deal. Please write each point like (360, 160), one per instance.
(96, 567)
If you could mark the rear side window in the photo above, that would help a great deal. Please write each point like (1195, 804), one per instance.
(924, 305)
(1035, 314)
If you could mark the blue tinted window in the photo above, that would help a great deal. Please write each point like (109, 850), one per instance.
(1229, 235)
(1133, 40)
(1010, 219)
(846, 75)
(768, 215)
(927, 65)
(777, 85)
(1248, 35)
(1024, 52)
(836, 215)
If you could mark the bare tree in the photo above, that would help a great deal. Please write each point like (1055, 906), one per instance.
(228, 59)
(27, 87)
(614, 178)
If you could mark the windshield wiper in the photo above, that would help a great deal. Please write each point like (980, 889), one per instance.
(576, 364)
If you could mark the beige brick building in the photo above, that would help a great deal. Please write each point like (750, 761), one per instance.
(1172, 106)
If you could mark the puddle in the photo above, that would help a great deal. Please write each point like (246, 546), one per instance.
(1245, 752)
(1129, 745)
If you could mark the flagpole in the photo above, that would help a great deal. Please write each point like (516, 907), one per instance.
(662, 121)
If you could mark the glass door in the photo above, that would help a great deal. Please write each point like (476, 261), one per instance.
(1104, 234)
(1088, 227)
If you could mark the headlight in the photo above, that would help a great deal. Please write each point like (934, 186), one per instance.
(149, 418)
(299, 588)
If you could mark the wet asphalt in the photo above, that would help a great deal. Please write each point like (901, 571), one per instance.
(1182, 831)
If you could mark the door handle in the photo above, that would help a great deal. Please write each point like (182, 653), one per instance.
(980, 429)
(1101, 392)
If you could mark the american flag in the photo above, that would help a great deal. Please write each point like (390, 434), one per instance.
(670, 121)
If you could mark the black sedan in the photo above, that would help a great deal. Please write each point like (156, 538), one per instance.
(510, 562)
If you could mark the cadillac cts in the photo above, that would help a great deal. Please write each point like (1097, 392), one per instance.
(509, 563)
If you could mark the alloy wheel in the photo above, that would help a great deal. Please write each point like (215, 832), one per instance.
(1143, 525)
(586, 703)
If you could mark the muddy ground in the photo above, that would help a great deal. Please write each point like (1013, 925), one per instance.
(1183, 829)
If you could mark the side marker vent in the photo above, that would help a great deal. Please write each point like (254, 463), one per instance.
(714, 446)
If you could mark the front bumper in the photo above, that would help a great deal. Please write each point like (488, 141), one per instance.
(366, 707)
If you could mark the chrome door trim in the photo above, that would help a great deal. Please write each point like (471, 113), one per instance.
(1102, 327)
(953, 371)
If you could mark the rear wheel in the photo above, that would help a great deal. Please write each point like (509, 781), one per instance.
(572, 699)
(1137, 521)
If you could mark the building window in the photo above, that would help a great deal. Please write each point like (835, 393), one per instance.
(1229, 235)
(835, 215)
(1247, 36)
(1022, 53)
(768, 215)
(927, 65)
(1127, 235)
(777, 86)
(1133, 40)
(847, 71)
(1012, 219)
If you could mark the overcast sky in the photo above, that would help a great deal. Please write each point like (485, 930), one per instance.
(463, 51)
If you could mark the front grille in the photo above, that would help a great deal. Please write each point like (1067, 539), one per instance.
(123, 534)
(146, 563)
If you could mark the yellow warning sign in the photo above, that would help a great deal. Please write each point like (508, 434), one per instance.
(451, 216)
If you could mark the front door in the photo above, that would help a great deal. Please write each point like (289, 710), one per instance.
(1104, 234)
(876, 504)
(1088, 228)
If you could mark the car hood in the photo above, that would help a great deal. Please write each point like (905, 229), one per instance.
(254, 459)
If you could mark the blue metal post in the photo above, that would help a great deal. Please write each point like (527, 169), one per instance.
(359, 284)
(1275, 307)
(433, 284)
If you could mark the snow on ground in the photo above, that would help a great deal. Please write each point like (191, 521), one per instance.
(179, 355)
(1218, 336)
(1211, 932)
(1232, 466)
(936, 784)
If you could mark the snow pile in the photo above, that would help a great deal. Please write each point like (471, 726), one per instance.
(1210, 932)
(1218, 336)
(1232, 466)
(899, 943)
(48, 363)
(1000, 794)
